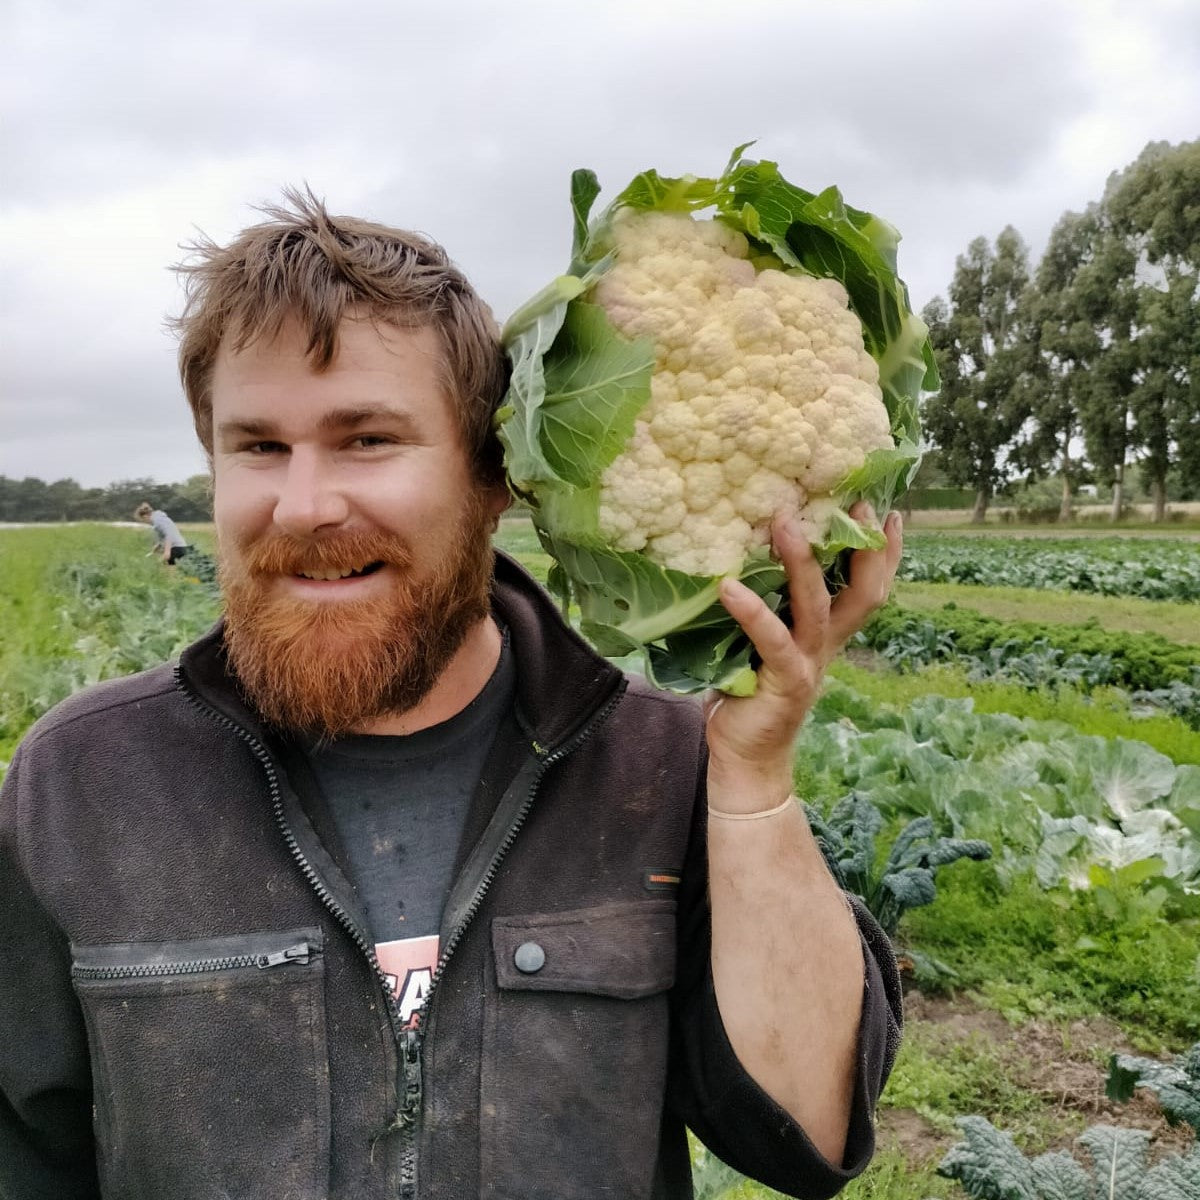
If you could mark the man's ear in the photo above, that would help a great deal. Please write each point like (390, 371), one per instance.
(498, 499)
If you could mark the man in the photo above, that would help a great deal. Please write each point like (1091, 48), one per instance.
(168, 541)
(428, 900)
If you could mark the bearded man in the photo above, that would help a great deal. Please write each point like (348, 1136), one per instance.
(427, 900)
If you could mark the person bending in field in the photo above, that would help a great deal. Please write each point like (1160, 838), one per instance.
(427, 899)
(169, 542)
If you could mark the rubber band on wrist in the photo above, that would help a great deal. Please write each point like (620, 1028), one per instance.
(752, 816)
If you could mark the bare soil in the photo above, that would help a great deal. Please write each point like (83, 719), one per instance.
(1065, 1064)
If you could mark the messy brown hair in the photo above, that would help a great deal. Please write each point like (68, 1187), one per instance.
(301, 264)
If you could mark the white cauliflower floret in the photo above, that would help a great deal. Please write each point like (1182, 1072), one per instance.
(708, 543)
(792, 445)
(763, 396)
(756, 325)
(644, 497)
(803, 377)
(713, 350)
(764, 494)
(850, 420)
(816, 516)
(703, 485)
(738, 468)
(675, 428)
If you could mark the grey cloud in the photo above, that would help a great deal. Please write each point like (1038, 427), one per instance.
(464, 120)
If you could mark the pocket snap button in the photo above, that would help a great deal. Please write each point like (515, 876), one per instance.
(529, 958)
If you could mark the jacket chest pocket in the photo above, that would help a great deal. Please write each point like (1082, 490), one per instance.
(209, 1066)
(575, 1052)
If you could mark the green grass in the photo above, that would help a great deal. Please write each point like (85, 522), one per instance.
(1101, 713)
(958, 521)
(516, 536)
(1064, 954)
(941, 1077)
(889, 1177)
(83, 603)
(1121, 614)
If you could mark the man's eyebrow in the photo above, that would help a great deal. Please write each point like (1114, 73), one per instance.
(338, 418)
(246, 428)
(362, 414)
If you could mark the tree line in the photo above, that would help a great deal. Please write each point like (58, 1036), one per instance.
(1087, 363)
(32, 499)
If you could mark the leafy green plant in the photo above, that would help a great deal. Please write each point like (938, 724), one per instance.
(1177, 1084)
(1134, 660)
(82, 604)
(1182, 699)
(917, 645)
(714, 1180)
(1051, 797)
(939, 1073)
(1099, 714)
(990, 1167)
(1158, 569)
(905, 878)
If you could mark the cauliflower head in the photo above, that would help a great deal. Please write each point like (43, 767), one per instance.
(688, 378)
(763, 396)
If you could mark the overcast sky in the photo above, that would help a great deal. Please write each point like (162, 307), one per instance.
(129, 126)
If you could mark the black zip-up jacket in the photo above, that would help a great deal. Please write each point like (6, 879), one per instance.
(190, 1006)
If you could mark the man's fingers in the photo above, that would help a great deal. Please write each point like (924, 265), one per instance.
(768, 634)
(871, 576)
(819, 628)
(806, 588)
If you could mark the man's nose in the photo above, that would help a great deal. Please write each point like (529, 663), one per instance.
(310, 498)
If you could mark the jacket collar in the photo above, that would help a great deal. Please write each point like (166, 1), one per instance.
(561, 681)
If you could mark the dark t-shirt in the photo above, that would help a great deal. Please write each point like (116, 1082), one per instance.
(399, 804)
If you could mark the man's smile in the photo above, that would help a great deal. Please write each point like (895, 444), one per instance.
(328, 575)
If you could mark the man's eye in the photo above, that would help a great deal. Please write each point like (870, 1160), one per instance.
(366, 441)
(265, 448)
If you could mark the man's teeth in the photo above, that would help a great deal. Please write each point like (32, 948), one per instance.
(329, 576)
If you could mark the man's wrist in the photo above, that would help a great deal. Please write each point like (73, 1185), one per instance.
(756, 815)
(744, 789)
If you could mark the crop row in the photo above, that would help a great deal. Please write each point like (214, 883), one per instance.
(1135, 660)
(1151, 568)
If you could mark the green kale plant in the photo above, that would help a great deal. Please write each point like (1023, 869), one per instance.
(1177, 1084)
(990, 1167)
(905, 878)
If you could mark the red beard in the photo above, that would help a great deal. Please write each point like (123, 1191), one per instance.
(328, 669)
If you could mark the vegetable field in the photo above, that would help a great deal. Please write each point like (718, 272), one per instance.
(1156, 569)
(1009, 776)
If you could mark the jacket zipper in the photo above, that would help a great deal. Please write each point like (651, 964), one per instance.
(415, 1037)
(410, 1084)
(301, 953)
(326, 897)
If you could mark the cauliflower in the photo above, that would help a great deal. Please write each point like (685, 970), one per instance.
(764, 371)
(690, 378)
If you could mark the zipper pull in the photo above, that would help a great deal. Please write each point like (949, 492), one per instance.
(410, 1055)
(299, 953)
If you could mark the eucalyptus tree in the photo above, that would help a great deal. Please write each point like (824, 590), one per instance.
(1153, 207)
(1060, 346)
(980, 348)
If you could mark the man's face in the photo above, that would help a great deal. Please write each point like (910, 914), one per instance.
(354, 540)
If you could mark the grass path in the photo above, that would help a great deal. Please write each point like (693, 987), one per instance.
(1121, 614)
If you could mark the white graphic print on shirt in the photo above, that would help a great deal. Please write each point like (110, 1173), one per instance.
(409, 964)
